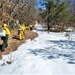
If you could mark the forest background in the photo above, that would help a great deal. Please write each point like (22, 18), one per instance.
(57, 15)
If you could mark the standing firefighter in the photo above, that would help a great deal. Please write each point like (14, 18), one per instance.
(24, 28)
(5, 38)
(21, 31)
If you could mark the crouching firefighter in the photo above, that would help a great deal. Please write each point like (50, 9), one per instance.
(5, 38)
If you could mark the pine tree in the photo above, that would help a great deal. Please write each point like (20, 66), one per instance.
(56, 11)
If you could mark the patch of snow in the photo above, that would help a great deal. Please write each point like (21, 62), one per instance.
(48, 54)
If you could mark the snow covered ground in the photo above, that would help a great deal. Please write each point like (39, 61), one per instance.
(48, 54)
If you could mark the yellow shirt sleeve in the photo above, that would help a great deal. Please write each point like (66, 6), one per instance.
(7, 31)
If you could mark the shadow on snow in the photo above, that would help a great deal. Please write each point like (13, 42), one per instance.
(67, 50)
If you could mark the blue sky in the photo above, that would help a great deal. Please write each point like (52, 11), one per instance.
(38, 4)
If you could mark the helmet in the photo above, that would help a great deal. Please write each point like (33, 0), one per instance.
(4, 25)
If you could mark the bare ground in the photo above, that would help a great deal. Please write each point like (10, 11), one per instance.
(14, 42)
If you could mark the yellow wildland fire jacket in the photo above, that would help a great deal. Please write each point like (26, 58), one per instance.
(7, 31)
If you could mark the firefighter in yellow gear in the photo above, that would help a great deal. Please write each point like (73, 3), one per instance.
(23, 27)
(21, 31)
(5, 38)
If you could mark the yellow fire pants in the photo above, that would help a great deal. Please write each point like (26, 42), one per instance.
(21, 35)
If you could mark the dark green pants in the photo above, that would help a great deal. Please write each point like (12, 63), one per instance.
(30, 28)
(5, 42)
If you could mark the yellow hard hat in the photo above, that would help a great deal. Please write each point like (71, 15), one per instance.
(5, 25)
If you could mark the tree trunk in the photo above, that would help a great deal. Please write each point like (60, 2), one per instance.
(48, 25)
